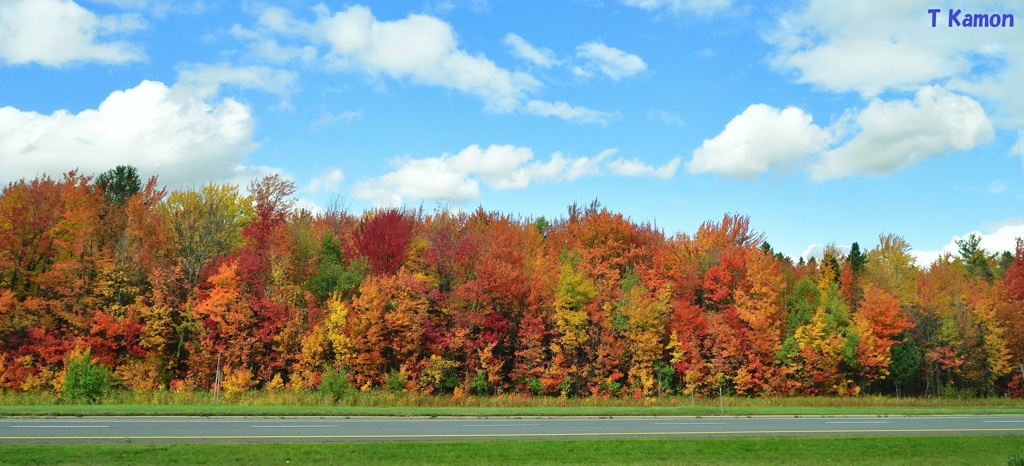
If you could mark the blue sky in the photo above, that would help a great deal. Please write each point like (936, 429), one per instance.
(824, 121)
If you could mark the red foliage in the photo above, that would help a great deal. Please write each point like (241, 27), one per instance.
(382, 237)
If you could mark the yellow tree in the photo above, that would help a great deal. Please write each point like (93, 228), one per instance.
(573, 295)
(761, 308)
(891, 267)
(205, 224)
(823, 343)
(646, 315)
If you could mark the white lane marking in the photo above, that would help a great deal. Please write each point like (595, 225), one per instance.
(689, 423)
(856, 422)
(499, 425)
(1002, 421)
(60, 427)
(289, 426)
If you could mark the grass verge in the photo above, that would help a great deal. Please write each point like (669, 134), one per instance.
(974, 450)
(283, 403)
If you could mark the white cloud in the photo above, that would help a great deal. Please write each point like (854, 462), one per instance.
(887, 136)
(611, 61)
(458, 177)
(1001, 239)
(701, 7)
(420, 48)
(182, 136)
(853, 47)
(346, 117)
(60, 32)
(896, 134)
(542, 57)
(665, 117)
(759, 139)
(159, 8)
(135, 4)
(208, 78)
(269, 49)
(636, 167)
(580, 166)
(569, 112)
(998, 187)
(874, 46)
(328, 181)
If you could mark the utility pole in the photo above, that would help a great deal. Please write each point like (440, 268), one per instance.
(216, 382)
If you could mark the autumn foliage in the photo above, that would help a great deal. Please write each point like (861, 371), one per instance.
(155, 286)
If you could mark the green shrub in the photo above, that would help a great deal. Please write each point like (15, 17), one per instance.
(335, 384)
(395, 382)
(536, 387)
(479, 384)
(85, 382)
(1016, 460)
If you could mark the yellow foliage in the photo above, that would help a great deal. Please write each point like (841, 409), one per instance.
(138, 375)
(891, 267)
(275, 383)
(435, 370)
(236, 381)
(336, 328)
(575, 291)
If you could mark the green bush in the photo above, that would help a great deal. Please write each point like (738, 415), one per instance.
(85, 382)
(395, 382)
(335, 384)
(535, 386)
(479, 384)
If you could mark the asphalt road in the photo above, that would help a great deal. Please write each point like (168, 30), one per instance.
(336, 429)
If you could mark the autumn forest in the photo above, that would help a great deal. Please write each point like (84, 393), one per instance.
(157, 284)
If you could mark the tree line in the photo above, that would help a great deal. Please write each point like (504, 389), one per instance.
(157, 286)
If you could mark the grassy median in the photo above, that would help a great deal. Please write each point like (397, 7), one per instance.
(974, 450)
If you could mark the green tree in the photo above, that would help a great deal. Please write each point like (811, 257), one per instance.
(119, 184)
(906, 360)
(84, 381)
(974, 257)
(857, 258)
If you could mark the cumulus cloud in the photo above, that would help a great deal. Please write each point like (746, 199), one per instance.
(570, 113)
(1001, 239)
(887, 136)
(60, 32)
(759, 139)
(700, 7)
(610, 61)
(635, 167)
(458, 177)
(327, 181)
(174, 132)
(899, 133)
(852, 47)
(421, 48)
(520, 48)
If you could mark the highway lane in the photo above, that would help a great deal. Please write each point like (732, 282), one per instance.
(337, 429)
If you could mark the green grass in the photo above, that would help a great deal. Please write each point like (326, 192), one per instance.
(285, 403)
(972, 450)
